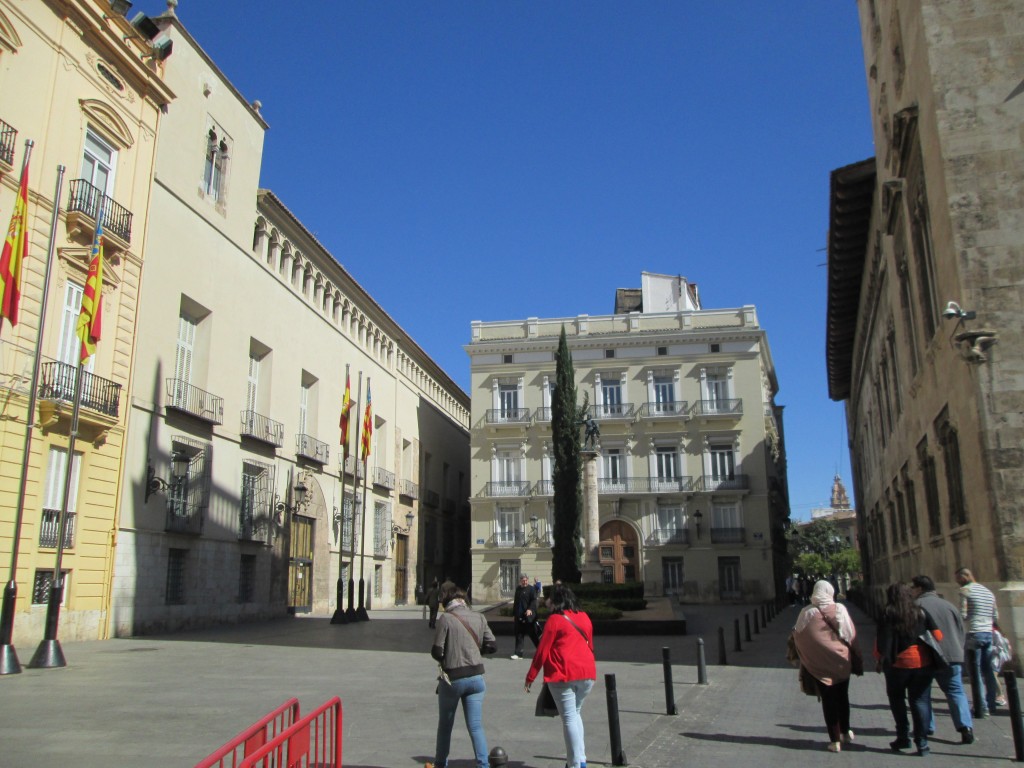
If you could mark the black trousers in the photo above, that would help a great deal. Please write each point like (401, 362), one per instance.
(835, 706)
(525, 629)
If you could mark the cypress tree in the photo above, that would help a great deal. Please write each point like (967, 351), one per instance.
(566, 554)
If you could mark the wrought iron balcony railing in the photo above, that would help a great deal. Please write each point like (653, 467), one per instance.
(87, 199)
(726, 483)
(57, 382)
(542, 414)
(508, 488)
(669, 536)
(673, 409)
(252, 526)
(352, 465)
(183, 397)
(262, 428)
(432, 498)
(719, 407)
(309, 447)
(8, 138)
(510, 539)
(183, 517)
(383, 478)
(409, 489)
(727, 535)
(545, 488)
(680, 484)
(48, 529)
(508, 415)
(609, 411)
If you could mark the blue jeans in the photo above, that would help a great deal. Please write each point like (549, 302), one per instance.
(983, 671)
(569, 700)
(912, 684)
(470, 691)
(950, 681)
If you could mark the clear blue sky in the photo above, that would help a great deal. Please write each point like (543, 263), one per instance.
(485, 160)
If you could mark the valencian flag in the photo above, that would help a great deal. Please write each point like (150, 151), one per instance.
(89, 319)
(367, 423)
(346, 406)
(14, 254)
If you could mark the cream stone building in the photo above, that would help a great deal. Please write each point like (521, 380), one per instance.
(246, 329)
(81, 83)
(926, 260)
(691, 467)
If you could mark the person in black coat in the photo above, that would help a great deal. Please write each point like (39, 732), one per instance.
(524, 614)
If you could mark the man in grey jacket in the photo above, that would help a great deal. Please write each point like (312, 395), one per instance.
(950, 678)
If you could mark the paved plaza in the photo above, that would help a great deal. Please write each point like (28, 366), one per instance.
(170, 700)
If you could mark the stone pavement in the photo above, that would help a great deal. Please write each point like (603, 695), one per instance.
(170, 700)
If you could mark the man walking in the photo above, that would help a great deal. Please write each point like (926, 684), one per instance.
(950, 678)
(978, 609)
(524, 614)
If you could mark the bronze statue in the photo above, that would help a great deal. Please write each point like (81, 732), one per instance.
(593, 433)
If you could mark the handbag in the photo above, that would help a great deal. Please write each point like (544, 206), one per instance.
(545, 703)
(792, 655)
(808, 684)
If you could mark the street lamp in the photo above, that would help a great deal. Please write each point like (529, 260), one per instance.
(697, 517)
(298, 494)
(397, 529)
(179, 471)
(533, 527)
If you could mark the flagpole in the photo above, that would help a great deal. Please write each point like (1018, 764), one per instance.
(339, 616)
(9, 664)
(49, 653)
(350, 612)
(362, 532)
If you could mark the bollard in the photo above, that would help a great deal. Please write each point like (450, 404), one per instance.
(1013, 699)
(736, 627)
(721, 647)
(670, 696)
(975, 688)
(702, 665)
(757, 627)
(498, 757)
(614, 735)
(771, 611)
(764, 618)
(746, 627)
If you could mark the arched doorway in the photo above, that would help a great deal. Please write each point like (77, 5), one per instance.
(618, 553)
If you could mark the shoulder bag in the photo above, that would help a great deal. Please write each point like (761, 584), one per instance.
(856, 660)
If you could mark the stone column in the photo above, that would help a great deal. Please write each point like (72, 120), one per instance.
(591, 569)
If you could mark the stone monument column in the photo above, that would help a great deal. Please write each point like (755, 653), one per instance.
(591, 570)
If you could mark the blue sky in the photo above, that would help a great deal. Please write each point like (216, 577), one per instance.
(497, 160)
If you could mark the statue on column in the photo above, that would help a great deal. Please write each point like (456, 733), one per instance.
(592, 434)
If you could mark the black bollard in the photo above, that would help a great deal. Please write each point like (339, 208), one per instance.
(498, 757)
(615, 737)
(736, 626)
(746, 627)
(757, 627)
(764, 618)
(702, 665)
(721, 647)
(670, 696)
(975, 687)
(1013, 699)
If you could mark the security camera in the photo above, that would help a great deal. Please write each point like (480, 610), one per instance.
(952, 310)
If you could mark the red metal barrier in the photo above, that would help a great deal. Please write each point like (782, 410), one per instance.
(315, 740)
(252, 738)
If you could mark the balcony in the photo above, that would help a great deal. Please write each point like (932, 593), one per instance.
(624, 485)
(734, 483)
(308, 447)
(507, 488)
(383, 478)
(612, 411)
(8, 138)
(544, 488)
(183, 517)
(57, 383)
(183, 397)
(520, 416)
(352, 465)
(409, 489)
(677, 409)
(662, 536)
(510, 539)
(253, 527)
(721, 407)
(84, 205)
(542, 415)
(727, 535)
(48, 529)
(432, 498)
(262, 428)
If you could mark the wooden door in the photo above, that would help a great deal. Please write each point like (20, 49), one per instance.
(618, 553)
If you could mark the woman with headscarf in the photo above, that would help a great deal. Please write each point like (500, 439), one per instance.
(903, 654)
(824, 634)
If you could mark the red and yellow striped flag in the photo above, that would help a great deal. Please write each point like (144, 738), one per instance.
(346, 406)
(14, 254)
(367, 423)
(89, 319)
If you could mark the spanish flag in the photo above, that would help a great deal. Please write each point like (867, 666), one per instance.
(346, 406)
(89, 319)
(14, 254)
(367, 423)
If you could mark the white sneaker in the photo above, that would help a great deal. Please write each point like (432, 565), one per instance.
(514, 656)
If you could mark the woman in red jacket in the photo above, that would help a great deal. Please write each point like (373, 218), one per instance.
(566, 652)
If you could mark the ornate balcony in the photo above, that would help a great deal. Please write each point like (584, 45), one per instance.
(48, 529)
(520, 416)
(183, 397)
(507, 489)
(57, 383)
(409, 489)
(732, 483)
(84, 205)
(352, 465)
(383, 478)
(310, 448)
(544, 488)
(262, 428)
(726, 408)
(542, 415)
(625, 485)
(677, 409)
(612, 411)
(510, 539)
(728, 535)
(8, 138)
(662, 536)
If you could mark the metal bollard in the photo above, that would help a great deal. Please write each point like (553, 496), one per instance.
(702, 665)
(976, 702)
(670, 696)
(757, 627)
(614, 735)
(1013, 699)
(764, 618)
(746, 626)
(721, 647)
(736, 627)
(498, 757)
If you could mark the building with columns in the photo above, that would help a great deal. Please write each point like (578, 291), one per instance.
(690, 465)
